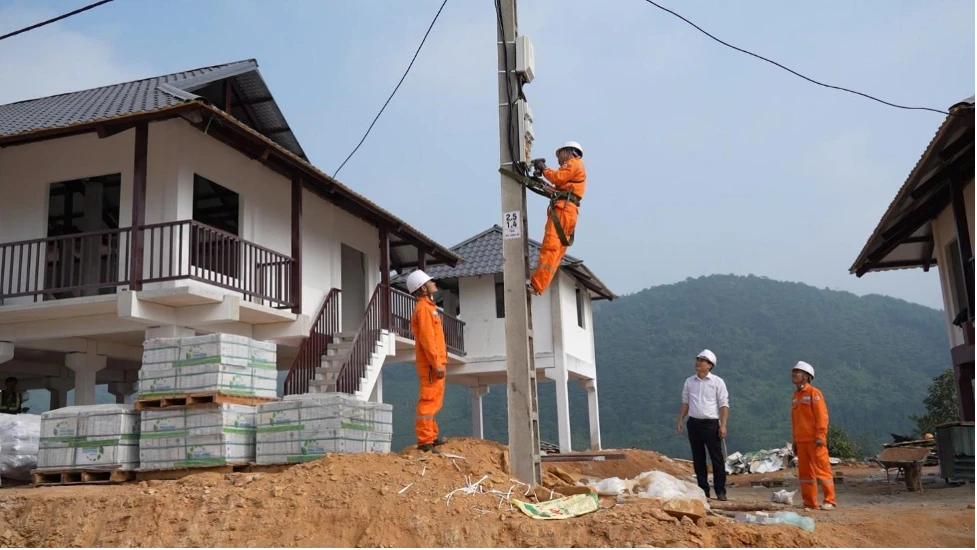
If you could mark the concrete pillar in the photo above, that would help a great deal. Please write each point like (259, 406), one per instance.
(122, 391)
(6, 351)
(86, 366)
(377, 395)
(169, 331)
(563, 408)
(593, 413)
(58, 387)
(478, 426)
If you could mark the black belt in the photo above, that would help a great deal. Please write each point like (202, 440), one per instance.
(704, 419)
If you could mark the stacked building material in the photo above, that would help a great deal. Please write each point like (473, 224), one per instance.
(90, 437)
(182, 437)
(302, 428)
(216, 363)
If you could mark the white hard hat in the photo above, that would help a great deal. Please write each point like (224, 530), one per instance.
(572, 145)
(804, 367)
(416, 280)
(708, 356)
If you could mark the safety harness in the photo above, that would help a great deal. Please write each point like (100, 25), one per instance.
(538, 186)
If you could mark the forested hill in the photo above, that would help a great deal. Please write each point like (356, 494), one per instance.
(874, 356)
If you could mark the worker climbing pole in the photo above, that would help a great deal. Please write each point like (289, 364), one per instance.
(514, 146)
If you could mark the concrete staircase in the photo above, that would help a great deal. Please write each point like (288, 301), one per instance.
(338, 353)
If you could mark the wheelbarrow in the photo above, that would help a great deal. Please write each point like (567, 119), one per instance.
(908, 461)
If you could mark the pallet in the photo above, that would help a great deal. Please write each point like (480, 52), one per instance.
(202, 398)
(179, 473)
(270, 468)
(79, 477)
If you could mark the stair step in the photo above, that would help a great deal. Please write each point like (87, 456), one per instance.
(344, 336)
(340, 346)
(326, 371)
(339, 358)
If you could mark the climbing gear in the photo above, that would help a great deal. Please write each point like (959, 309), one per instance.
(804, 367)
(708, 356)
(572, 145)
(538, 186)
(416, 280)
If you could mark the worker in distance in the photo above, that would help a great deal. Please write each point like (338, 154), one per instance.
(566, 189)
(430, 358)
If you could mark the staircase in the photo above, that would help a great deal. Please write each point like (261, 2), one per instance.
(337, 373)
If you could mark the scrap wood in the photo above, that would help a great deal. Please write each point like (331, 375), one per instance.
(580, 457)
(745, 506)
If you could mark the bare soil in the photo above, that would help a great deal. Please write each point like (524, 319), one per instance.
(361, 500)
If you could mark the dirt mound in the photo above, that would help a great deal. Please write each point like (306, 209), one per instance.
(357, 500)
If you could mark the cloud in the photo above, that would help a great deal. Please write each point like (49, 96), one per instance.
(53, 59)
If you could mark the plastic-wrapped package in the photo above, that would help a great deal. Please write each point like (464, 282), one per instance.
(19, 438)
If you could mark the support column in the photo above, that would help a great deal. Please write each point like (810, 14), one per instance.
(376, 396)
(58, 387)
(385, 321)
(86, 366)
(122, 391)
(563, 409)
(478, 425)
(6, 351)
(295, 281)
(560, 373)
(139, 169)
(593, 413)
(169, 331)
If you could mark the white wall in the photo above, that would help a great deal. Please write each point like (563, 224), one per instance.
(945, 231)
(484, 333)
(177, 151)
(577, 342)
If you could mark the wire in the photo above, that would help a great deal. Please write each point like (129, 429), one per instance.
(788, 69)
(421, 45)
(54, 20)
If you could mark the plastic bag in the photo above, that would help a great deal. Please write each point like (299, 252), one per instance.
(19, 438)
(611, 486)
(784, 497)
(656, 484)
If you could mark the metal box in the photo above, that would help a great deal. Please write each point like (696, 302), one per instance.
(955, 447)
(525, 58)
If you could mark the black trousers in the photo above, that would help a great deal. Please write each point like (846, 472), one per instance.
(704, 436)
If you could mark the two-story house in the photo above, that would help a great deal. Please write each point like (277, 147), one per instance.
(931, 222)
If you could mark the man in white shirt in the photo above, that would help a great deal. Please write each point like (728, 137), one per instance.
(706, 402)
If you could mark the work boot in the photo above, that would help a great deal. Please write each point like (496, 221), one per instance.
(721, 497)
(428, 448)
(827, 506)
(531, 290)
(439, 441)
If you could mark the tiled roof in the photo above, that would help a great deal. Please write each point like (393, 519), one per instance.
(148, 95)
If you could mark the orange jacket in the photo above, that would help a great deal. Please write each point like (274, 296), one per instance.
(571, 177)
(430, 349)
(809, 415)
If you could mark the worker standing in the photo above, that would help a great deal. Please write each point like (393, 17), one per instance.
(809, 419)
(706, 401)
(11, 400)
(568, 183)
(431, 358)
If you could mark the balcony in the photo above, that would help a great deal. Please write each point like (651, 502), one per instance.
(100, 262)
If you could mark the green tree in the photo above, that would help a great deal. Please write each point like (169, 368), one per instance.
(842, 445)
(940, 403)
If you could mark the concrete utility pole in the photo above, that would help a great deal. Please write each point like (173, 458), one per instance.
(524, 460)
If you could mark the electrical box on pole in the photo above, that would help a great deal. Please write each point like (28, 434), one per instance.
(516, 66)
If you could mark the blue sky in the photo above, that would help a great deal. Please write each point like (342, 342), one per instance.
(701, 160)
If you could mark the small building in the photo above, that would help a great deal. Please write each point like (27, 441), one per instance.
(563, 326)
(930, 222)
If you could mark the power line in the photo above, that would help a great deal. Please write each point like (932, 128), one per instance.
(54, 20)
(421, 45)
(788, 69)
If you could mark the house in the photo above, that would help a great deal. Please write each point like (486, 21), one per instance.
(562, 325)
(178, 205)
(931, 222)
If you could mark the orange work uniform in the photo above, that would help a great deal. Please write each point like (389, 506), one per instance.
(809, 419)
(430, 353)
(571, 177)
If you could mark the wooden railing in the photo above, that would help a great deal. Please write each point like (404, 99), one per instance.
(364, 344)
(98, 262)
(66, 266)
(309, 358)
(402, 309)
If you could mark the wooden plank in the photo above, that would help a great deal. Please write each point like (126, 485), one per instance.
(198, 399)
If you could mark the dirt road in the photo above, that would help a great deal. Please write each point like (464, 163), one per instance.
(361, 500)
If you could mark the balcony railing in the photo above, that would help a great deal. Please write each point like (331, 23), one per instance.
(402, 309)
(99, 262)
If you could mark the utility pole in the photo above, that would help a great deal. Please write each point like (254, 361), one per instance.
(524, 459)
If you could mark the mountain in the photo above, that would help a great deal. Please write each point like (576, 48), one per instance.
(874, 356)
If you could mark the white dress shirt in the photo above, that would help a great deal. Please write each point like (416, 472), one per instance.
(705, 396)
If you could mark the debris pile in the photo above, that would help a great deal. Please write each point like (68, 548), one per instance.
(760, 462)
(19, 436)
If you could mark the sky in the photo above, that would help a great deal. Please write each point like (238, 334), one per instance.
(700, 159)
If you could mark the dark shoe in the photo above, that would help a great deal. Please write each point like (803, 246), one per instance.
(721, 497)
(439, 442)
(531, 290)
(428, 448)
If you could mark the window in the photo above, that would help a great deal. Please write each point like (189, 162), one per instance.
(958, 288)
(219, 208)
(581, 298)
(499, 300)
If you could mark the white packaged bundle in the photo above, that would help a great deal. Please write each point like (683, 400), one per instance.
(197, 437)
(19, 439)
(305, 427)
(98, 437)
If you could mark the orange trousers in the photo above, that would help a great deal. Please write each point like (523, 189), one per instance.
(428, 405)
(813, 467)
(552, 250)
